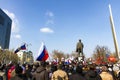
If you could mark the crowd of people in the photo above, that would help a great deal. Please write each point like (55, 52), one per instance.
(58, 71)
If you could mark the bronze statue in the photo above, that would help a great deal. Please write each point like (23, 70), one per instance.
(79, 48)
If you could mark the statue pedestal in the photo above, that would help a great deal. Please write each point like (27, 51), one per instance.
(80, 58)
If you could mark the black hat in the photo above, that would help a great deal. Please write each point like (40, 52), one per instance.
(43, 63)
(18, 69)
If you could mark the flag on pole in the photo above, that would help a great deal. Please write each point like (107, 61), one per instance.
(23, 47)
(17, 50)
(43, 53)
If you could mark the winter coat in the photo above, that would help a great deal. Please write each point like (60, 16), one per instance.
(92, 75)
(106, 76)
(60, 73)
(17, 77)
(40, 74)
(76, 76)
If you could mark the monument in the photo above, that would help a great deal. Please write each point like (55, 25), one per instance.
(114, 34)
(79, 50)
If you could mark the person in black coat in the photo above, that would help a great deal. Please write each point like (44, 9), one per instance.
(78, 75)
(92, 74)
(19, 75)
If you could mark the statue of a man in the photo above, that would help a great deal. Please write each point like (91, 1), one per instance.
(79, 48)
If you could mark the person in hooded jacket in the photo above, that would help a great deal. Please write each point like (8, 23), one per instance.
(41, 72)
(92, 74)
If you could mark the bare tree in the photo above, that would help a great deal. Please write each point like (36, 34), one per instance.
(58, 54)
(100, 54)
(6, 56)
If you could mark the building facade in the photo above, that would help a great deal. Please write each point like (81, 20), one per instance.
(25, 57)
(5, 30)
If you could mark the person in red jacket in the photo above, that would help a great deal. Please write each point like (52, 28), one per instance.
(10, 71)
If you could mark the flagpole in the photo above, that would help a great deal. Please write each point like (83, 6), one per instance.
(114, 33)
(49, 58)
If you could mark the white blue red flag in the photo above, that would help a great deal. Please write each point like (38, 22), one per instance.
(23, 47)
(43, 53)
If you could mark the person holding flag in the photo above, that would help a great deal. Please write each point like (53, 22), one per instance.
(41, 72)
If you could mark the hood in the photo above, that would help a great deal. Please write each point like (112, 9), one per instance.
(40, 69)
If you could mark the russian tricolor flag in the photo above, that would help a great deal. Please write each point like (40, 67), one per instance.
(23, 47)
(43, 53)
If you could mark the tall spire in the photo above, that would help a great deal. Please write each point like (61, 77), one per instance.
(114, 33)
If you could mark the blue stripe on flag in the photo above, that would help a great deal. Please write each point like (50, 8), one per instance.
(41, 55)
